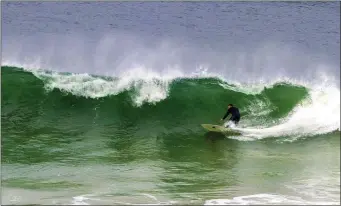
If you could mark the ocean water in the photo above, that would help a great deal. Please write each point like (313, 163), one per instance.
(101, 103)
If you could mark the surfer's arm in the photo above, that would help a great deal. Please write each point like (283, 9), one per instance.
(227, 113)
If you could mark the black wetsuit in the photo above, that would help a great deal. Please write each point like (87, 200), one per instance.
(234, 111)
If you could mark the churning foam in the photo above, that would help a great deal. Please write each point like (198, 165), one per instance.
(317, 114)
(148, 85)
(265, 199)
(95, 199)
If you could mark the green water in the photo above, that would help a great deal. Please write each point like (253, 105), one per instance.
(59, 147)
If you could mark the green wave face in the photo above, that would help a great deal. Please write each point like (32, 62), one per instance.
(28, 103)
(46, 118)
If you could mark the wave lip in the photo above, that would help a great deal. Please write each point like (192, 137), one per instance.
(149, 86)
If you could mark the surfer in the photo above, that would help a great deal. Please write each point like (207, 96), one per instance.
(235, 115)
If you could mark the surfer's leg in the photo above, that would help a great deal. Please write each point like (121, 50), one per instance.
(236, 120)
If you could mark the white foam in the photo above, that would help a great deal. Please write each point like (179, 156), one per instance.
(88, 199)
(266, 199)
(259, 107)
(83, 199)
(318, 114)
(79, 200)
(150, 87)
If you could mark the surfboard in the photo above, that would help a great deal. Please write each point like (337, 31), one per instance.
(221, 129)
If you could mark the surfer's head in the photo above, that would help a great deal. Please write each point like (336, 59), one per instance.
(229, 106)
